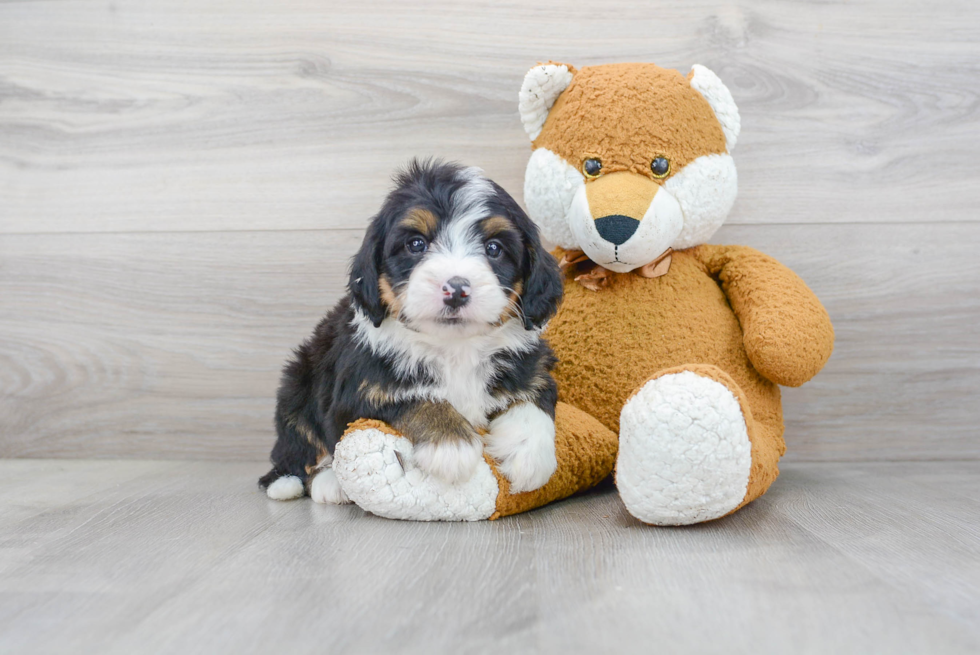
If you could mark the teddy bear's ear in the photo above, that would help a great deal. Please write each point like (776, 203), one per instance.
(705, 82)
(542, 86)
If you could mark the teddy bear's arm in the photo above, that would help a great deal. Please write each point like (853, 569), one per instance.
(786, 331)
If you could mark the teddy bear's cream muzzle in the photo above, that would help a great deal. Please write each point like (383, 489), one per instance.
(623, 220)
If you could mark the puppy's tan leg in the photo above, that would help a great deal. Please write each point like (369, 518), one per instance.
(445, 444)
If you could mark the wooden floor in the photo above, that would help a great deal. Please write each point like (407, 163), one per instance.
(142, 556)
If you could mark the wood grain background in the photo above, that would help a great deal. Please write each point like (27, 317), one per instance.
(181, 184)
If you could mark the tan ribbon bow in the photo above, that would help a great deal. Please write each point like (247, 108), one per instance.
(595, 277)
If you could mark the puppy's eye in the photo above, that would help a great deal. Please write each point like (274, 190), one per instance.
(494, 249)
(416, 245)
(592, 167)
(660, 167)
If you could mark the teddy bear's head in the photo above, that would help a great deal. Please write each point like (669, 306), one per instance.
(628, 159)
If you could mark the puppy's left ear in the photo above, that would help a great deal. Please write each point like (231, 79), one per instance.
(543, 283)
(363, 282)
(542, 279)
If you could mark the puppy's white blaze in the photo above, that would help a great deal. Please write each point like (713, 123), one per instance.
(450, 461)
(461, 366)
(287, 487)
(325, 489)
(469, 207)
(474, 193)
(522, 440)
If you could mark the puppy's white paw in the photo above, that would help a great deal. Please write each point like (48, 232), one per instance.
(450, 461)
(325, 489)
(287, 487)
(522, 440)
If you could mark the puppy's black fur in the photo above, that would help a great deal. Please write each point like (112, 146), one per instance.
(334, 378)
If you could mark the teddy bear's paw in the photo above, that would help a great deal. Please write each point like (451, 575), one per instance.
(522, 440)
(325, 488)
(684, 451)
(377, 470)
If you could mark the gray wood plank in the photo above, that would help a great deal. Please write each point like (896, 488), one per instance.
(853, 508)
(133, 116)
(190, 557)
(170, 345)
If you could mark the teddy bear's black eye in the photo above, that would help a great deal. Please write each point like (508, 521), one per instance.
(494, 249)
(660, 167)
(592, 167)
(416, 245)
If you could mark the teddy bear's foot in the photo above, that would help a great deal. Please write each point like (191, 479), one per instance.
(685, 454)
(374, 465)
(376, 470)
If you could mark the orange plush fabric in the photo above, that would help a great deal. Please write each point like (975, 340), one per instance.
(663, 183)
(787, 333)
(609, 342)
(586, 452)
(596, 116)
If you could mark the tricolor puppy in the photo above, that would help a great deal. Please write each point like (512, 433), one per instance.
(439, 336)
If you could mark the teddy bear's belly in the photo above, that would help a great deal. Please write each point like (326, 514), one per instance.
(610, 341)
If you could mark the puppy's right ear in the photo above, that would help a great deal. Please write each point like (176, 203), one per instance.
(364, 271)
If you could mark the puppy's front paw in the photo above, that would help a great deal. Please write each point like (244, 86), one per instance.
(451, 460)
(287, 487)
(325, 489)
(522, 440)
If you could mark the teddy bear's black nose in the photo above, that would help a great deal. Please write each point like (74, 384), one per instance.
(616, 229)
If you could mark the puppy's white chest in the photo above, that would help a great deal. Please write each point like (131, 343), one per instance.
(463, 381)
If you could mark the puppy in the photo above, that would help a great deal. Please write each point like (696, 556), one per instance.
(439, 336)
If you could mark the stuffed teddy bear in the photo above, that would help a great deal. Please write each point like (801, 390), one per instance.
(674, 345)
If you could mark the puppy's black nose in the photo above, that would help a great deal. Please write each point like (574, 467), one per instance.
(456, 292)
(616, 228)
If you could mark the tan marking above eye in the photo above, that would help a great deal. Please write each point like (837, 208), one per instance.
(495, 225)
(421, 220)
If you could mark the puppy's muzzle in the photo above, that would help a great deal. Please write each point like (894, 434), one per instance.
(456, 292)
(616, 228)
